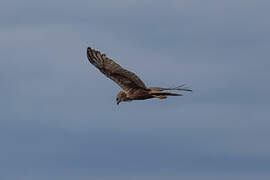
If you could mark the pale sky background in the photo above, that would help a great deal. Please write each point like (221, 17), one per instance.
(59, 118)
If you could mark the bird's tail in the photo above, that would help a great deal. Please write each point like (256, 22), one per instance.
(162, 95)
(157, 91)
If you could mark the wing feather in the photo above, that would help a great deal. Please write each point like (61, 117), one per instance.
(179, 88)
(124, 78)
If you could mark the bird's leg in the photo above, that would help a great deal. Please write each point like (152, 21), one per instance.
(160, 96)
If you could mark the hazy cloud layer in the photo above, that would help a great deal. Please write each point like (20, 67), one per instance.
(59, 118)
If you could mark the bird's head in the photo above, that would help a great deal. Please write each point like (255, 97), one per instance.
(121, 96)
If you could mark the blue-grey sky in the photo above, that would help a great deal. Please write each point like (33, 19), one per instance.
(59, 118)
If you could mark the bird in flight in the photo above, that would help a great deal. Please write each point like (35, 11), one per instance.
(132, 86)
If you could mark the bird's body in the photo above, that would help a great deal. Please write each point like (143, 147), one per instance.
(133, 87)
(138, 94)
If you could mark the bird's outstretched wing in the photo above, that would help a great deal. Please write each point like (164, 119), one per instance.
(179, 88)
(124, 78)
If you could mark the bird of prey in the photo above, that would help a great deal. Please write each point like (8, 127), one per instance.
(132, 86)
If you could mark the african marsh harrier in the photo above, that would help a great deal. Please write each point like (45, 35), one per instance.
(132, 86)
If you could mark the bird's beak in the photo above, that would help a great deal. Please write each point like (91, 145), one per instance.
(118, 102)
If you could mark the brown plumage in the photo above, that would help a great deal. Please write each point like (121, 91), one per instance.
(132, 86)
